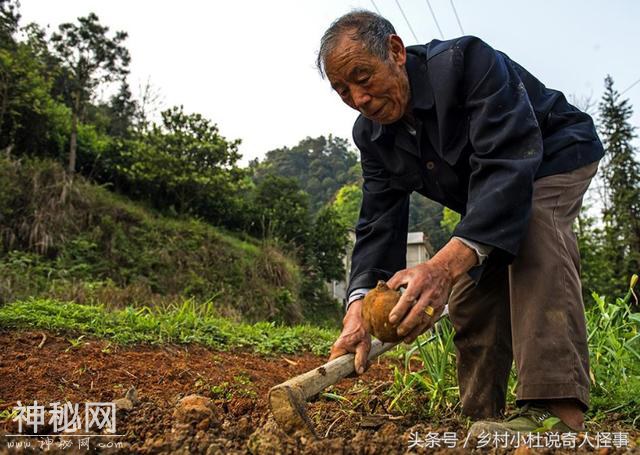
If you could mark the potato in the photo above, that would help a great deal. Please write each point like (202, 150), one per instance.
(375, 311)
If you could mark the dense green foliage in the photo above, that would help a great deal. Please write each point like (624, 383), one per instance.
(71, 239)
(281, 210)
(425, 216)
(614, 345)
(450, 220)
(32, 119)
(181, 167)
(185, 322)
(86, 57)
(621, 178)
(347, 204)
(320, 165)
(608, 228)
(595, 273)
(326, 237)
(329, 172)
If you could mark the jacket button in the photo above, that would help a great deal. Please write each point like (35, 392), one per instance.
(430, 165)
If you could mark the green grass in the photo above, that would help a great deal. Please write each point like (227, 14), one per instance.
(187, 323)
(426, 383)
(614, 345)
(434, 383)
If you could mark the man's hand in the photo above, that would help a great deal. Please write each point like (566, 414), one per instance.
(428, 284)
(354, 338)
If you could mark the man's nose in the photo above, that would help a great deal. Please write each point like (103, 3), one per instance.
(360, 97)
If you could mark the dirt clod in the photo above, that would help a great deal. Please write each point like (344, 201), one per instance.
(193, 408)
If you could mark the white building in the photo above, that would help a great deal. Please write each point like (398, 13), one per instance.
(418, 250)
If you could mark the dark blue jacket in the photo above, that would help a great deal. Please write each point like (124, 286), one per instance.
(486, 129)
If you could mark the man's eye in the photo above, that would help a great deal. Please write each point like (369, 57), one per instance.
(363, 79)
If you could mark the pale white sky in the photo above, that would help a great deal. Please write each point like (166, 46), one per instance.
(249, 65)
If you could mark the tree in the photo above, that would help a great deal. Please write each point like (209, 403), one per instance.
(29, 115)
(596, 273)
(450, 220)
(148, 104)
(327, 243)
(122, 110)
(183, 163)
(347, 204)
(425, 216)
(282, 210)
(89, 58)
(9, 20)
(320, 165)
(621, 176)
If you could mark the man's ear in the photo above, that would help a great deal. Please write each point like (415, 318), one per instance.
(397, 51)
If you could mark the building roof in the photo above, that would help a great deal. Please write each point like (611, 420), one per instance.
(415, 237)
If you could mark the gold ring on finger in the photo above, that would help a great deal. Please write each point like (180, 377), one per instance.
(429, 311)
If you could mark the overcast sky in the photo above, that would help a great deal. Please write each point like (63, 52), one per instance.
(249, 65)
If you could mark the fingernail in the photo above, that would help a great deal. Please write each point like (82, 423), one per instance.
(360, 370)
(393, 318)
(401, 332)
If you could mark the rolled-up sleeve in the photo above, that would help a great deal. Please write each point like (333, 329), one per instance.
(381, 231)
(507, 151)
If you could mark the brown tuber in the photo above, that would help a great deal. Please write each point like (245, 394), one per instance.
(375, 311)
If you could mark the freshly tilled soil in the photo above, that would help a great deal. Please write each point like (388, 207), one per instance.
(190, 399)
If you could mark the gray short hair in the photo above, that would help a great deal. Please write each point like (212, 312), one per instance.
(366, 27)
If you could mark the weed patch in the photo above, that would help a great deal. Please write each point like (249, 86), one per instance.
(427, 383)
(185, 323)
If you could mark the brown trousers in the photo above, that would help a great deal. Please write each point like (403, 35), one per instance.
(530, 311)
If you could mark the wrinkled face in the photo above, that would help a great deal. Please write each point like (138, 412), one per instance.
(378, 89)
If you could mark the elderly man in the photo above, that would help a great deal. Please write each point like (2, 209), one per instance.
(463, 124)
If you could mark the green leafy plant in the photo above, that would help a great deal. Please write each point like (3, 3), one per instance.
(426, 383)
(428, 374)
(614, 344)
(547, 425)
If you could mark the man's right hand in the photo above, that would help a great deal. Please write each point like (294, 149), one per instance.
(354, 338)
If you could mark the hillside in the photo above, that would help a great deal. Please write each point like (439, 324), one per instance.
(72, 240)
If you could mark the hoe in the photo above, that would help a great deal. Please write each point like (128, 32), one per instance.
(288, 400)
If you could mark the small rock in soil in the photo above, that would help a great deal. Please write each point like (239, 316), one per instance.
(128, 402)
(268, 438)
(194, 409)
(123, 404)
(372, 421)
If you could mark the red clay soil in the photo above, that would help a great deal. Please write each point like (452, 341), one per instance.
(235, 417)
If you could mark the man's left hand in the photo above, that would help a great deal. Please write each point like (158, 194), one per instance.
(427, 285)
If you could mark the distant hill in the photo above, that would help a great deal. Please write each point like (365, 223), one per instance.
(320, 165)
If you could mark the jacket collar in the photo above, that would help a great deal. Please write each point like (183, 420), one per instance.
(421, 92)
